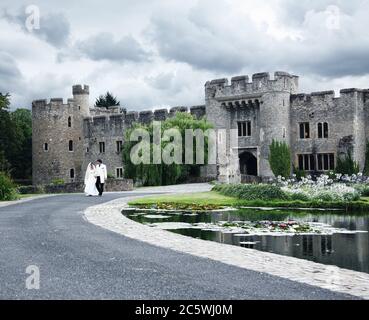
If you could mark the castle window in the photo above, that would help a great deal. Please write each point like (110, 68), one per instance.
(119, 172)
(102, 147)
(306, 162)
(284, 132)
(325, 161)
(70, 145)
(46, 147)
(87, 150)
(244, 128)
(119, 146)
(322, 130)
(69, 122)
(304, 130)
(71, 173)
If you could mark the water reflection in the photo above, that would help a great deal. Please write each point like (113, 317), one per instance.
(349, 251)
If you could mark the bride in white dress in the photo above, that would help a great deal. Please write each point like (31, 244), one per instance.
(90, 181)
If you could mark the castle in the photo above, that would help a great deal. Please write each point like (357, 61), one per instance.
(318, 127)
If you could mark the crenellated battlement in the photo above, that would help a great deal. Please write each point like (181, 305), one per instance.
(261, 83)
(79, 89)
(350, 93)
(52, 103)
(144, 117)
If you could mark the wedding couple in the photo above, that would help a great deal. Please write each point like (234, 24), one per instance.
(95, 177)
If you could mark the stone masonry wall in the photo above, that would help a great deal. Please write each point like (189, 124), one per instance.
(50, 125)
(111, 128)
(273, 106)
(345, 117)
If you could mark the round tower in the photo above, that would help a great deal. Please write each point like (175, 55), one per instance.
(81, 97)
(275, 115)
(57, 145)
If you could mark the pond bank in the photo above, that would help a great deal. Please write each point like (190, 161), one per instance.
(214, 200)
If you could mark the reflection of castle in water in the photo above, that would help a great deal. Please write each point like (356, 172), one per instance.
(350, 250)
(344, 250)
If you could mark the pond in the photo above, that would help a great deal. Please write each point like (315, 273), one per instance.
(333, 238)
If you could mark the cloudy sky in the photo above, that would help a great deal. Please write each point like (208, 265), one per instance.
(154, 53)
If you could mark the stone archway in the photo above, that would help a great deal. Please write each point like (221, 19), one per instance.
(248, 164)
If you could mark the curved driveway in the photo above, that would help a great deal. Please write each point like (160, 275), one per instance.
(78, 260)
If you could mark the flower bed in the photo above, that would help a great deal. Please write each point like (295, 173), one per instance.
(324, 189)
(333, 188)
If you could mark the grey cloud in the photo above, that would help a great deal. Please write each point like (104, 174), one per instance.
(293, 12)
(229, 44)
(10, 76)
(54, 27)
(103, 46)
(183, 41)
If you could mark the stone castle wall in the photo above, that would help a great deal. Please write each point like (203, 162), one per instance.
(272, 105)
(346, 117)
(263, 101)
(50, 126)
(109, 129)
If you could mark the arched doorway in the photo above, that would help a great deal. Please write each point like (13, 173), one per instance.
(248, 164)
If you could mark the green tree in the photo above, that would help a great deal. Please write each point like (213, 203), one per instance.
(162, 174)
(4, 101)
(7, 143)
(106, 101)
(22, 157)
(15, 140)
(347, 165)
(7, 188)
(280, 158)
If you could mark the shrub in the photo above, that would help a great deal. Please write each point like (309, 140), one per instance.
(299, 195)
(7, 188)
(30, 190)
(280, 159)
(299, 173)
(347, 165)
(252, 191)
(57, 182)
(363, 189)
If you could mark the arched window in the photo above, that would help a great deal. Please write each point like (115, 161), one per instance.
(70, 122)
(70, 145)
(46, 147)
(323, 130)
(71, 173)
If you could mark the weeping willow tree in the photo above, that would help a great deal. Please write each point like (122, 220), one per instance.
(155, 174)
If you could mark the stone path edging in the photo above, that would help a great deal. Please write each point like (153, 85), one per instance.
(346, 281)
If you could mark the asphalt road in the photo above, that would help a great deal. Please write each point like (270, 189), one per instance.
(78, 260)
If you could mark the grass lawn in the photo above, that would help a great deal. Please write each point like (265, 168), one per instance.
(214, 200)
(24, 196)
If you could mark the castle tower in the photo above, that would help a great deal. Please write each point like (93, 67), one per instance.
(81, 98)
(274, 113)
(259, 111)
(57, 144)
